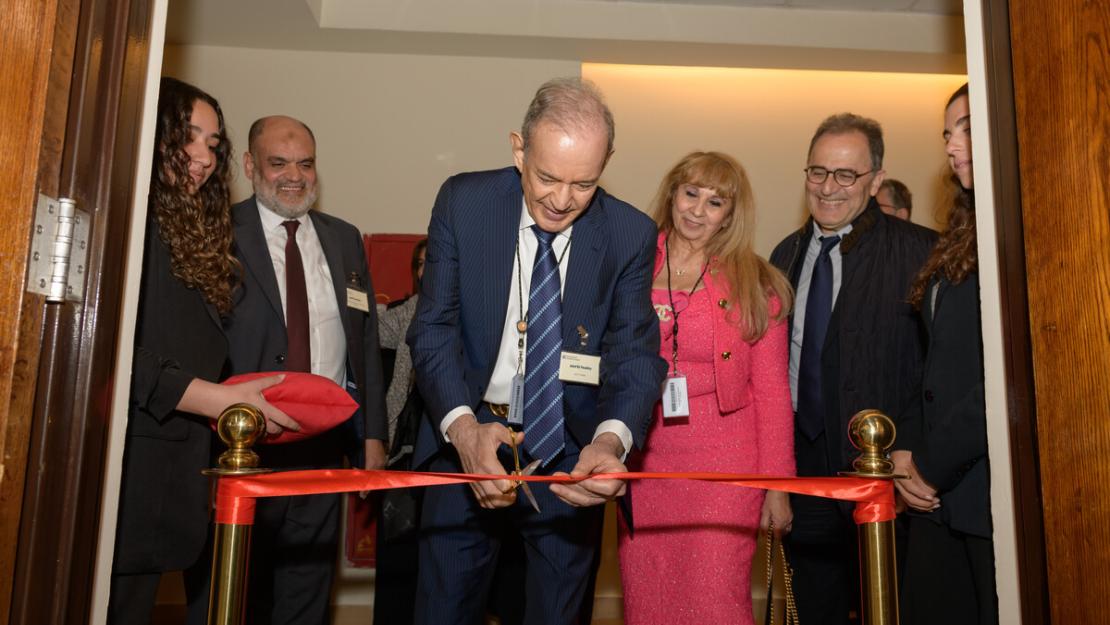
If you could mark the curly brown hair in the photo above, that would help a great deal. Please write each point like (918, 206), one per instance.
(956, 253)
(196, 227)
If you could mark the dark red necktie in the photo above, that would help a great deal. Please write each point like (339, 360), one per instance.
(298, 357)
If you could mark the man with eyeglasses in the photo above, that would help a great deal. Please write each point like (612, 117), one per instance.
(854, 343)
(894, 198)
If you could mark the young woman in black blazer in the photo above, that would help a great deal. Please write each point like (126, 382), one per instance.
(942, 439)
(189, 276)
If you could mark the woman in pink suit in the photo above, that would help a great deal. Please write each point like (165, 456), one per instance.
(726, 405)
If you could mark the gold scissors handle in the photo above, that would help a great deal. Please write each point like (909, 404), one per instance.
(517, 471)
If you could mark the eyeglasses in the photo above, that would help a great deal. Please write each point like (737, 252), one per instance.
(843, 177)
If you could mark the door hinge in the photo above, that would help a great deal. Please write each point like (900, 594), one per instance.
(59, 250)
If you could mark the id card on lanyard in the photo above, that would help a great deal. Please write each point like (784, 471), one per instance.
(676, 403)
(676, 399)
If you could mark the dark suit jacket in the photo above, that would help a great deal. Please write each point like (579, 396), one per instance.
(874, 348)
(946, 426)
(456, 332)
(256, 327)
(163, 509)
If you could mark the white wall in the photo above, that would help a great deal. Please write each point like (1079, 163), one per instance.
(765, 118)
(389, 128)
(1003, 505)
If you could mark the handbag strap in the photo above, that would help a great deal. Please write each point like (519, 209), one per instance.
(787, 574)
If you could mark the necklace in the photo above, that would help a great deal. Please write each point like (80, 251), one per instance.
(683, 271)
(677, 271)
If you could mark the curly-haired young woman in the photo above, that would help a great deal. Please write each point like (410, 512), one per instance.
(188, 280)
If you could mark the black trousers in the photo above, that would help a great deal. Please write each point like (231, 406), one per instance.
(460, 544)
(395, 583)
(295, 541)
(132, 597)
(823, 547)
(949, 577)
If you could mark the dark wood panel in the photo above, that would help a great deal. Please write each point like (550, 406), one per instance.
(28, 27)
(1021, 404)
(1061, 52)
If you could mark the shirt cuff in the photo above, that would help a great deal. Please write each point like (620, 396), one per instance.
(616, 426)
(450, 417)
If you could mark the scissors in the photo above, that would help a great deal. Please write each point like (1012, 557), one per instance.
(528, 470)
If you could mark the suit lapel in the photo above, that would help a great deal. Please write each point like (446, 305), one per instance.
(499, 237)
(213, 313)
(581, 286)
(251, 243)
(329, 241)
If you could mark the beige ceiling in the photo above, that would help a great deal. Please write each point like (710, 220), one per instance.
(873, 35)
(941, 7)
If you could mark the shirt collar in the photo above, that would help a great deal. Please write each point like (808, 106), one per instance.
(526, 220)
(817, 233)
(273, 221)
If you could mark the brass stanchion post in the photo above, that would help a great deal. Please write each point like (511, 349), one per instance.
(872, 432)
(239, 427)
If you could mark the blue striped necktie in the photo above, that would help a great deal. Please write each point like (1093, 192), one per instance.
(543, 391)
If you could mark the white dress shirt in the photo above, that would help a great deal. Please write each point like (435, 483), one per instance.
(327, 342)
(508, 355)
(802, 296)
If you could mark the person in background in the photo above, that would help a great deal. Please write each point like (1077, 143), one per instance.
(731, 355)
(396, 555)
(393, 323)
(942, 436)
(855, 343)
(895, 199)
(305, 305)
(189, 276)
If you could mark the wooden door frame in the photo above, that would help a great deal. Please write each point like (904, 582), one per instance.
(37, 66)
(88, 152)
(1013, 296)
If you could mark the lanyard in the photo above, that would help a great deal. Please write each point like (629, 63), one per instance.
(670, 297)
(522, 323)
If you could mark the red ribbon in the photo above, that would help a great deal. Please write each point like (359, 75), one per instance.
(233, 509)
(235, 495)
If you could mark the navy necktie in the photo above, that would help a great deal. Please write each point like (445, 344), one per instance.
(811, 407)
(298, 354)
(543, 391)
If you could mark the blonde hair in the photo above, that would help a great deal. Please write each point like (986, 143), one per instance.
(751, 281)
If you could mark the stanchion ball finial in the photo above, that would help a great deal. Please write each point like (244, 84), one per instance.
(239, 426)
(873, 433)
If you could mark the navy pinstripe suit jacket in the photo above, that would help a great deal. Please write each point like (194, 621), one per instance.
(456, 332)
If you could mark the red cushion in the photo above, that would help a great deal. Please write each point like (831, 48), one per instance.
(317, 403)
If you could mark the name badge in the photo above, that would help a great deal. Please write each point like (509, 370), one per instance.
(358, 299)
(516, 400)
(676, 403)
(580, 368)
